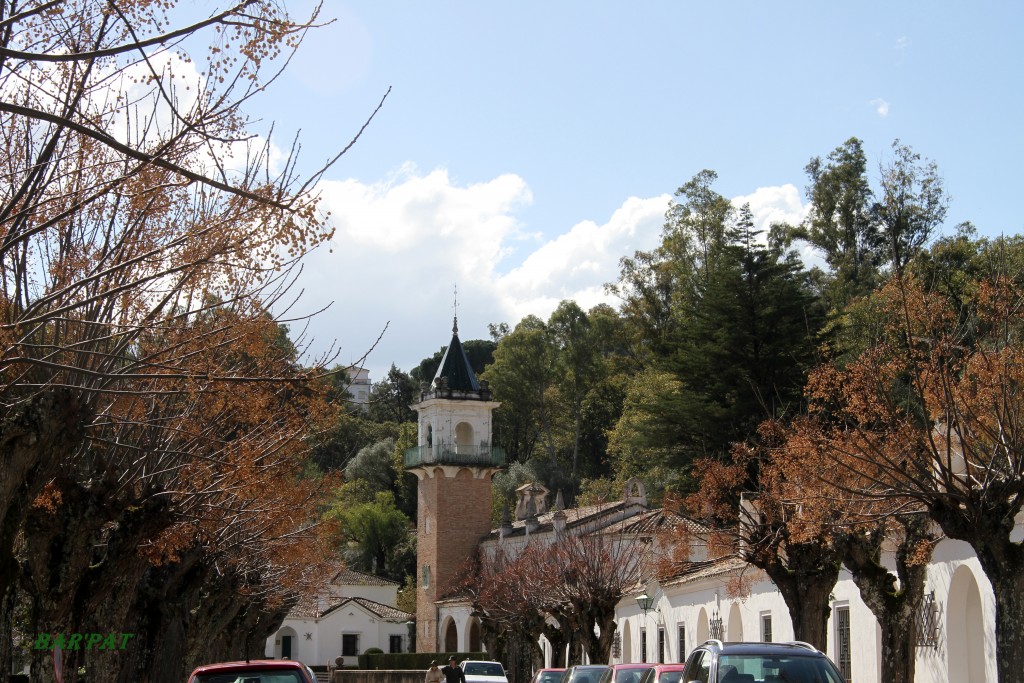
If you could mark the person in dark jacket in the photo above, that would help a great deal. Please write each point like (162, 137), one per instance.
(453, 672)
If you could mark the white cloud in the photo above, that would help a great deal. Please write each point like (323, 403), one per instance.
(402, 244)
(881, 107)
(577, 264)
(779, 204)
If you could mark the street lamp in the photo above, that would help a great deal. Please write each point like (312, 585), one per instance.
(644, 601)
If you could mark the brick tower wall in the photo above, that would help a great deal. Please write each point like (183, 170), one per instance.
(454, 514)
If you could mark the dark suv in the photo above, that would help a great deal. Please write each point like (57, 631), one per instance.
(718, 662)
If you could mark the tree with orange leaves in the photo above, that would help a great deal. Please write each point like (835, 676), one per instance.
(152, 423)
(929, 417)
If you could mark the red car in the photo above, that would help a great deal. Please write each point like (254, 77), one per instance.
(663, 673)
(624, 673)
(255, 671)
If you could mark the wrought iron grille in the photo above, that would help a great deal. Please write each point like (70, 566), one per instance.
(617, 645)
(717, 629)
(845, 660)
(927, 622)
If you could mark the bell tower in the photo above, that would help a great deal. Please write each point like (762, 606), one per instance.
(454, 463)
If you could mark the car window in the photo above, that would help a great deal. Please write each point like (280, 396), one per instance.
(775, 669)
(669, 677)
(484, 669)
(648, 676)
(606, 677)
(698, 667)
(275, 676)
(628, 675)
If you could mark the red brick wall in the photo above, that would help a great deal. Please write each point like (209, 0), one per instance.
(459, 512)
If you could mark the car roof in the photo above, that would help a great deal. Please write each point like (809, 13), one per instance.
(634, 665)
(668, 667)
(790, 649)
(250, 665)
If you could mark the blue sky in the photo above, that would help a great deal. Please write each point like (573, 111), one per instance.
(525, 147)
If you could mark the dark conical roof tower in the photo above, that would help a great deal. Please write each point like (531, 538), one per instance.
(453, 463)
(455, 367)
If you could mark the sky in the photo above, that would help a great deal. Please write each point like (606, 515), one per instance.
(524, 148)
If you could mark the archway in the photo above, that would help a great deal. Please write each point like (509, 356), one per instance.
(627, 642)
(965, 629)
(286, 644)
(463, 437)
(474, 635)
(703, 626)
(734, 629)
(451, 636)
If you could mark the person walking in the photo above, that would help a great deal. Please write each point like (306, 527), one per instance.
(433, 673)
(453, 672)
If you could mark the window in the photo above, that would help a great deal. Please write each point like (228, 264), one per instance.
(682, 643)
(426, 576)
(394, 644)
(661, 645)
(766, 627)
(843, 660)
(700, 668)
(643, 645)
(349, 644)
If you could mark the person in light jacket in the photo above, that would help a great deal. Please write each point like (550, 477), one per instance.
(433, 674)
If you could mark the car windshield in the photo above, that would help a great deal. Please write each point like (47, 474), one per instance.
(484, 669)
(550, 677)
(265, 676)
(775, 669)
(670, 677)
(629, 675)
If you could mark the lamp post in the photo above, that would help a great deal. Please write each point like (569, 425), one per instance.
(644, 601)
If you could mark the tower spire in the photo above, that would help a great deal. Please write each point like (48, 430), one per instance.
(455, 320)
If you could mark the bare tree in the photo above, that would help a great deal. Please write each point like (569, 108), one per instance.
(153, 413)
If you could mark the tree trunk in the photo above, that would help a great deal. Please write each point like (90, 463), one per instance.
(36, 440)
(805, 579)
(895, 607)
(1008, 586)
(557, 637)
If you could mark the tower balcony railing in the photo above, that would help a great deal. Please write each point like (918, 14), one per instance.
(470, 456)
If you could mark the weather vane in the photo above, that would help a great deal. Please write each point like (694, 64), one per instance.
(455, 323)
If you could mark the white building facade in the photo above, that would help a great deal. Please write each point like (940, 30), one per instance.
(956, 625)
(354, 612)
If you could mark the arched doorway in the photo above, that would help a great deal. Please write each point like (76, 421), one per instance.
(734, 629)
(703, 626)
(286, 644)
(474, 636)
(463, 437)
(965, 629)
(451, 636)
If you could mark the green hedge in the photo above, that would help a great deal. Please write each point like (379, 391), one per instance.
(406, 661)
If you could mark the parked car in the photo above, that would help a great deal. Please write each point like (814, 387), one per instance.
(255, 671)
(583, 673)
(548, 676)
(483, 672)
(624, 673)
(718, 662)
(663, 673)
